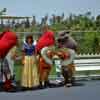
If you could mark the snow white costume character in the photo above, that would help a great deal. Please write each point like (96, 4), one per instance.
(30, 77)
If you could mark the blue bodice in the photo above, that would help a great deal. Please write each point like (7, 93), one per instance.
(29, 50)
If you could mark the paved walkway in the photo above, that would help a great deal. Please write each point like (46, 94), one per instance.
(88, 91)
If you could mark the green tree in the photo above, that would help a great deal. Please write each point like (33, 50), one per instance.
(98, 22)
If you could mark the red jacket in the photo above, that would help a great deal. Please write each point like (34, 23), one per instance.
(7, 41)
(47, 39)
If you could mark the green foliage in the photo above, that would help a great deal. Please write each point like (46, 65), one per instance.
(90, 43)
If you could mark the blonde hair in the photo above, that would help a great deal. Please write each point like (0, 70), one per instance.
(45, 27)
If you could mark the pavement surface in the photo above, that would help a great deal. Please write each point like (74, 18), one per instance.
(88, 90)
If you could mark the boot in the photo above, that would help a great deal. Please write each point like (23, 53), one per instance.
(46, 84)
(41, 85)
(73, 81)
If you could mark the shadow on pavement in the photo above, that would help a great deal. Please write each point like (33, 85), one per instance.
(18, 88)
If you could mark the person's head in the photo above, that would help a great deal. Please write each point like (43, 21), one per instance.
(63, 35)
(7, 28)
(45, 28)
(29, 39)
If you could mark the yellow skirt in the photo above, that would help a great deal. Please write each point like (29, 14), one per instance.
(30, 77)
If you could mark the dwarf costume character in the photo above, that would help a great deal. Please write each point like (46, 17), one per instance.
(8, 39)
(46, 40)
(66, 41)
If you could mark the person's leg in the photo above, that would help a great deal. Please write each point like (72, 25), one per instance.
(11, 67)
(40, 69)
(71, 73)
(65, 75)
(42, 73)
(44, 70)
(46, 78)
(43, 78)
(1, 71)
(47, 82)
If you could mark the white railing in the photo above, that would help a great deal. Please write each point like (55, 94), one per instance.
(85, 62)
(88, 55)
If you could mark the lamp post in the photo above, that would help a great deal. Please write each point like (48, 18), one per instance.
(3, 11)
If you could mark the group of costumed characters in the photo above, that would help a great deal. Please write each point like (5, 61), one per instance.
(36, 69)
(62, 50)
(29, 72)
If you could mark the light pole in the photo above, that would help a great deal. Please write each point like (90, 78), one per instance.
(3, 11)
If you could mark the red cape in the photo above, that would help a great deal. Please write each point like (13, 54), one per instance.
(47, 39)
(7, 41)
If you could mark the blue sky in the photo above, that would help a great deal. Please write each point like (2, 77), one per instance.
(40, 8)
